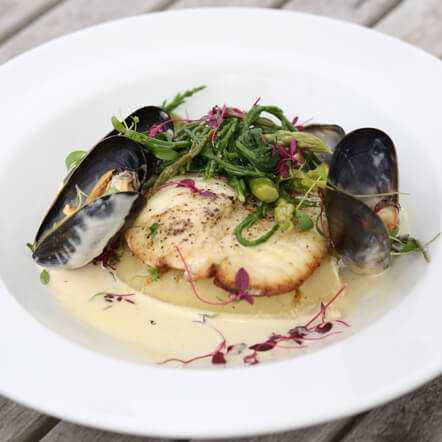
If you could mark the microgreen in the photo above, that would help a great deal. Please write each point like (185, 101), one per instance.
(319, 327)
(154, 230)
(111, 255)
(44, 277)
(303, 221)
(153, 273)
(74, 159)
(30, 246)
(190, 184)
(405, 244)
(113, 298)
(180, 98)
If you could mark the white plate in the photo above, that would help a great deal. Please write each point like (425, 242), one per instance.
(61, 95)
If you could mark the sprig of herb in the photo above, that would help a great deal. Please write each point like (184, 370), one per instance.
(74, 159)
(180, 98)
(154, 273)
(44, 277)
(405, 244)
(154, 230)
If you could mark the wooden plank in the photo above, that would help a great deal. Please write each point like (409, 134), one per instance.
(240, 3)
(16, 14)
(329, 432)
(70, 16)
(66, 432)
(19, 424)
(364, 12)
(415, 417)
(418, 22)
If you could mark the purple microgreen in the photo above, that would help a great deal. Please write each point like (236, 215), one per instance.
(112, 298)
(218, 358)
(158, 128)
(110, 256)
(316, 329)
(251, 359)
(242, 286)
(190, 184)
(236, 349)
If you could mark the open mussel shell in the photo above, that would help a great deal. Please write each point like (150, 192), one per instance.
(365, 163)
(73, 241)
(357, 233)
(330, 134)
(84, 235)
(148, 116)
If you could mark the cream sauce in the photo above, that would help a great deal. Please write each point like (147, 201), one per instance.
(163, 320)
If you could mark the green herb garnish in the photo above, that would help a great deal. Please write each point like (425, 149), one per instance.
(74, 159)
(153, 230)
(153, 273)
(44, 277)
(180, 98)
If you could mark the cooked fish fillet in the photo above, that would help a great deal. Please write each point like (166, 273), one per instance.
(201, 227)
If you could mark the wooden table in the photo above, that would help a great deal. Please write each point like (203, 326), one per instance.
(27, 23)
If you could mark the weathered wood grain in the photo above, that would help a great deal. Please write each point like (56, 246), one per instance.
(19, 424)
(66, 432)
(16, 14)
(415, 417)
(72, 15)
(364, 12)
(417, 21)
(213, 3)
(329, 432)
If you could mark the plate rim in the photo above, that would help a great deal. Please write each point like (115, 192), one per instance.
(269, 428)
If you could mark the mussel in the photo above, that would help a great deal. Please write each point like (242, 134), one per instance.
(330, 134)
(365, 205)
(93, 204)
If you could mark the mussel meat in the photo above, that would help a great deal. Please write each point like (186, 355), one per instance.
(93, 204)
(364, 206)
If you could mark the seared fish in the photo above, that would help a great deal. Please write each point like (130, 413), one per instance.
(199, 223)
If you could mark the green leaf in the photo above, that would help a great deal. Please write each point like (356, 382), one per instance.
(153, 273)
(74, 159)
(393, 233)
(30, 246)
(304, 221)
(44, 277)
(153, 230)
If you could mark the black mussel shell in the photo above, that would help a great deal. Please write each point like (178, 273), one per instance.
(365, 163)
(84, 235)
(357, 233)
(114, 153)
